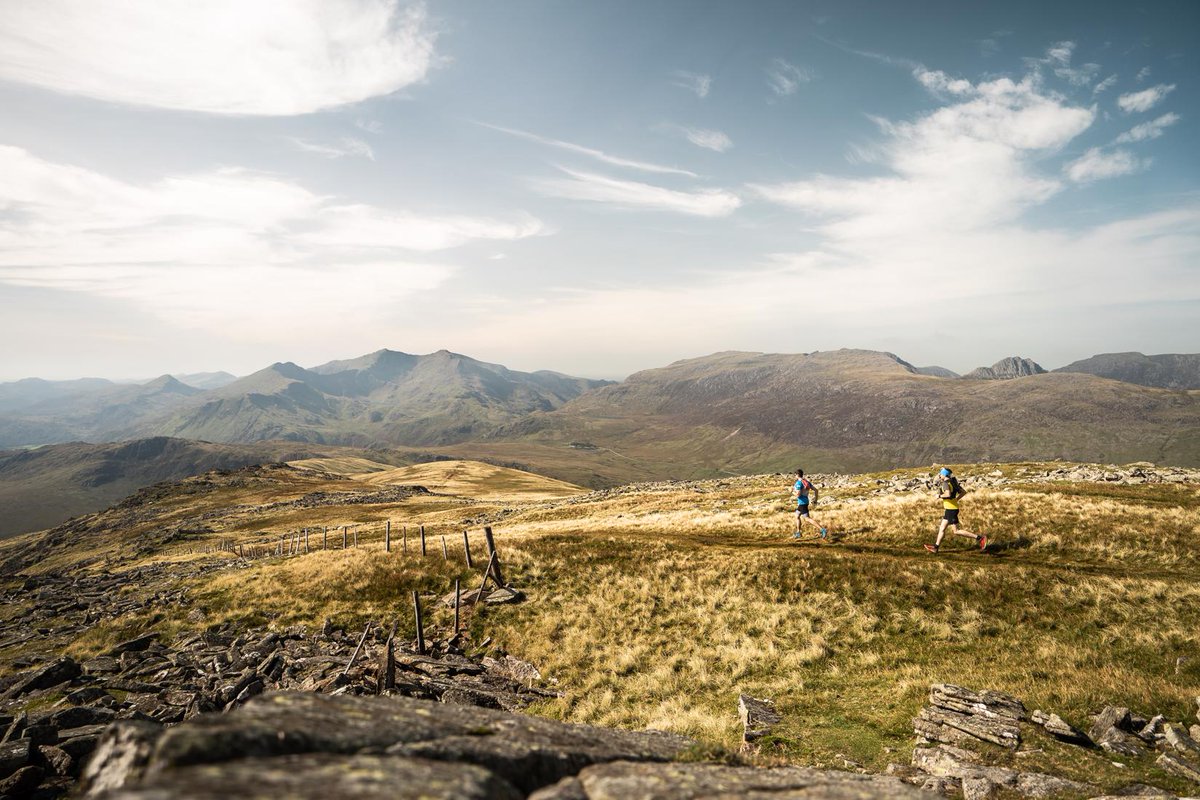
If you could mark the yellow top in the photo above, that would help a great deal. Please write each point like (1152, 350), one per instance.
(948, 502)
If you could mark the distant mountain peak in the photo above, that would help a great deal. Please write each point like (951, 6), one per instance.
(1007, 369)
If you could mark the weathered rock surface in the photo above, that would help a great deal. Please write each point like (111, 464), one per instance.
(625, 781)
(307, 745)
(758, 717)
(1178, 765)
(956, 715)
(953, 762)
(1059, 728)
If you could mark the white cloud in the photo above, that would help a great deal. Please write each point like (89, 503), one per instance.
(966, 165)
(599, 155)
(938, 81)
(1058, 60)
(1149, 130)
(1096, 164)
(1105, 84)
(204, 246)
(274, 57)
(1145, 99)
(695, 82)
(372, 126)
(708, 139)
(1143, 73)
(631, 194)
(785, 78)
(346, 146)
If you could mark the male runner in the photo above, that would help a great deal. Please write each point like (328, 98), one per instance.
(950, 491)
(805, 495)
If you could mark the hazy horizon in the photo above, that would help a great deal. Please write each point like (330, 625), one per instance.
(593, 189)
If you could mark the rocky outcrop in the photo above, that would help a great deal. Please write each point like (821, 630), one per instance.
(1007, 369)
(956, 715)
(312, 746)
(621, 781)
(758, 716)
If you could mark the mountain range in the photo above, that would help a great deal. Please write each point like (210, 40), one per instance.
(727, 413)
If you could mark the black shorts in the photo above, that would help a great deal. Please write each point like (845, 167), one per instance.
(802, 511)
(951, 516)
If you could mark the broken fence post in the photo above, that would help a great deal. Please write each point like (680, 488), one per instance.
(361, 639)
(420, 623)
(491, 546)
(467, 548)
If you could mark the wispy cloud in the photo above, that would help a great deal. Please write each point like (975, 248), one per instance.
(695, 82)
(1145, 99)
(599, 155)
(1149, 130)
(1098, 164)
(346, 146)
(1142, 74)
(222, 57)
(632, 194)
(786, 78)
(1058, 59)
(207, 245)
(708, 139)
(372, 126)
(969, 164)
(1105, 84)
(990, 46)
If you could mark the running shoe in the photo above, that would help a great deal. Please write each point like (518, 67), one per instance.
(983, 543)
(824, 533)
(933, 548)
(797, 535)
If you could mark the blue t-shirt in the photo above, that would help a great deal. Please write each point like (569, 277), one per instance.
(801, 490)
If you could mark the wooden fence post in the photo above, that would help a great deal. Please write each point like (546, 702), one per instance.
(306, 540)
(361, 639)
(422, 540)
(388, 677)
(457, 601)
(387, 537)
(445, 552)
(343, 537)
(467, 548)
(420, 623)
(406, 539)
(356, 536)
(491, 546)
(487, 572)
(325, 538)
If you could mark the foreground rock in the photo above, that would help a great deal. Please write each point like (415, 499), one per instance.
(956, 715)
(623, 781)
(307, 745)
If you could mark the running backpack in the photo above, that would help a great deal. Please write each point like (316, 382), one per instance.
(956, 489)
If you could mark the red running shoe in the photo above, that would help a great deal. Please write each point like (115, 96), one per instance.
(983, 543)
(933, 548)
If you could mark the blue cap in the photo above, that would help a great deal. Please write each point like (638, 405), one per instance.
(945, 473)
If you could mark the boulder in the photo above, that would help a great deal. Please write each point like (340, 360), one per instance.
(956, 715)
(1180, 741)
(54, 673)
(14, 756)
(22, 782)
(120, 757)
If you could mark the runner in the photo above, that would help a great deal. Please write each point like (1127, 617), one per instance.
(805, 494)
(950, 491)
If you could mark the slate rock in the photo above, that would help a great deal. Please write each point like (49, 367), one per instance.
(54, 673)
(79, 716)
(1060, 729)
(120, 757)
(323, 776)
(134, 645)
(22, 782)
(1110, 717)
(59, 760)
(1036, 784)
(758, 716)
(647, 781)
(1180, 741)
(14, 756)
(1177, 765)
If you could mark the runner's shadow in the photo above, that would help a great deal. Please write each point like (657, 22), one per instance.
(1019, 543)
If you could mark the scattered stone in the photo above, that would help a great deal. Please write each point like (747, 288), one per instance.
(978, 788)
(120, 757)
(22, 782)
(64, 669)
(1112, 732)
(959, 716)
(1180, 741)
(59, 760)
(758, 716)
(1179, 766)
(1036, 784)
(1060, 729)
(13, 756)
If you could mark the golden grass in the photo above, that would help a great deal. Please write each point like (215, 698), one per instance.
(474, 479)
(657, 605)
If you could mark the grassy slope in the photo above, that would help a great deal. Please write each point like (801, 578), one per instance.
(657, 605)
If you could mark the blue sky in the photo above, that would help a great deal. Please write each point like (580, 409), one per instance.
(593, 188)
